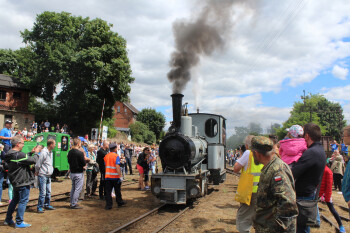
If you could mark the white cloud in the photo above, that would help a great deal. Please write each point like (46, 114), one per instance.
(341, 95)
(340, 72)
(338, 93)
(282, 43)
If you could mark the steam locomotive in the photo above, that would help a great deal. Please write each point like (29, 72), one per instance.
(192, 154)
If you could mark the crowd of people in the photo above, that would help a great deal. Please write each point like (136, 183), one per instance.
(281, 182)
(35, 128)
(278, 190)
(86, 159)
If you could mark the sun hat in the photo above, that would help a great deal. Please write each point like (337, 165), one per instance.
(296, 131)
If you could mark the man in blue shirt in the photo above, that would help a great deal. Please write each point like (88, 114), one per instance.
(334, 146)
(6, 136)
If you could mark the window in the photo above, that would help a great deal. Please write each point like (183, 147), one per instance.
(125, 110)
(2, 95)
(8, 118)
(51, 137)
(16, 95)
(64, 143)
(39, 138)
(118, 109)
(224, 132)
(211, 127)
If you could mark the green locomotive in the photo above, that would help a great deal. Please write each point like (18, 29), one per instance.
(60, 160)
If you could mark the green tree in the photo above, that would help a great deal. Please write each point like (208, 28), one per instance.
(141, 133)
(328, 115)
(75, 62)
(8, 62)
(153, 119)
(109, 122)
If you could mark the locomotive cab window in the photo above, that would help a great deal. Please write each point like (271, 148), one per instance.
(211, 127)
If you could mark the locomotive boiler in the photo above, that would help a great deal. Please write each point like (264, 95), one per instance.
(192, 155)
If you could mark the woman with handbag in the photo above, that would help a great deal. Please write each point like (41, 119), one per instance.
(91, 172)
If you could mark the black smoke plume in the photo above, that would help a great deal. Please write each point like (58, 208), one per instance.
(205, 33)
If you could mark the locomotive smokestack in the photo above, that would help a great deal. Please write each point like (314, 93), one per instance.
(177, 105)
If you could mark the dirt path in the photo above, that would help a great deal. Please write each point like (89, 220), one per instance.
(214, 213)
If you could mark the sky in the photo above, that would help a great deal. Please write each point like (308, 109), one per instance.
(273, 51)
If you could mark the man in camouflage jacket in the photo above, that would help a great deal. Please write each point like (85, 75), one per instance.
(276, 209)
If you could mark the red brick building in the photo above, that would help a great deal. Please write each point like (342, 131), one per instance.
(125, 114)
(14, 99)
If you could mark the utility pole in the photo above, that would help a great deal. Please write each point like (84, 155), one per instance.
(303, 97)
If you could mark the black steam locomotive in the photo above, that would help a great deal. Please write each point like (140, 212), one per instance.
(192, 155)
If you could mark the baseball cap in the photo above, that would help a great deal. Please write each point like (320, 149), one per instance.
(112, 146)
(8, 122)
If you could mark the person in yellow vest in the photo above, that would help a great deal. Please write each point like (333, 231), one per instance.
(112, 177)
(245, 164)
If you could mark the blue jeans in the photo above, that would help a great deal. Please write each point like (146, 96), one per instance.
(20, 197)
(1, 181)
(306, 229)
(44, 191)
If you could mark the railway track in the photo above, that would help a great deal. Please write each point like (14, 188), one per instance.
(230, 171)
(3, 208)
(159, 211)
(324, 208)
(35, 201)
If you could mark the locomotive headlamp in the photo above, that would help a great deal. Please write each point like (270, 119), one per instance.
(156, 190)
(194, 191)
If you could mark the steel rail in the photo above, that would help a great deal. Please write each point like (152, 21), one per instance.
(232, 172)
(171, 220)
(341, 217)
(55, 195)
(136, 219)
(330, 222)
(32, 205)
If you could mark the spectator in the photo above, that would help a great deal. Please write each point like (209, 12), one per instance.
(46, 130)
(30, 135)
(2, 169)
(153, 162)
(338, 170)
(143, 168)
(77, 162)
(291, 149)
(128, 156)
(6, 136)
(91, 176)
(344, 151)
(34, 126)
(41, 127)
(101, 153)
(25, 133)
(112, 176)
(122, 165)
(47, 124)
(276, 209)
(21, 178)
(334, 145)
(57, 128)
(346, 186)
(245, 213)
(308, 170)
(326, 195)
(44, 170)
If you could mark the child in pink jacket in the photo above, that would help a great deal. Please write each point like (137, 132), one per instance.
(294, 146)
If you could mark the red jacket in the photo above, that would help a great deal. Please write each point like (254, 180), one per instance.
(326, 184)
